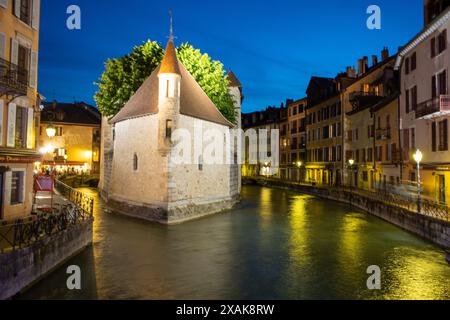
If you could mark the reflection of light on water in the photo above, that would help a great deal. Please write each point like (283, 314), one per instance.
(299, 230)
(350, 249)
(266, 207)
(415, 275)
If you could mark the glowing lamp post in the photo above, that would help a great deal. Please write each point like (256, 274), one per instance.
(299, 166)
(351, 162)
(418, 158)
(51, 131)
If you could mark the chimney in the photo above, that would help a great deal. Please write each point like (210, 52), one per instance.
(385, 54)
(351, 72)
(374, 60)
(365, 64)
(360, 67)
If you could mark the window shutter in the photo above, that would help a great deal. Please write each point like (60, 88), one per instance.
(8, 181)
(3, 3)
(433, 136)
(30, 127)
(445, 135)
(433, 47)
(14, 51)
(433, 87)
(17, 4)
(2, 45)
(407, 101)
(1, 121)
(33, 69)
(35, 15)
(11, 136)
(23, 187)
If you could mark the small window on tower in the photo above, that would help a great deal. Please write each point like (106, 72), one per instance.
(168, 89)
(135, 162)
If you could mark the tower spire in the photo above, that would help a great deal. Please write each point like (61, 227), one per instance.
(170, 61)
(171, 37)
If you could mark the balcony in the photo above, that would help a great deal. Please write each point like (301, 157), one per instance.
(434, 108)
(383, 134)
(361, 99)
(13, 79)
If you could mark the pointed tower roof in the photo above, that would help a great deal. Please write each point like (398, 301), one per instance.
(170, 60)
(234, 81)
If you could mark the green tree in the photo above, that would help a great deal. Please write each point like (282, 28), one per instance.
(123, 76)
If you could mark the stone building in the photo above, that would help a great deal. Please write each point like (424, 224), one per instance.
(19, 105)
(296, 155)
(324, 132)
(74, 140)
(424, 64)
(141, 176)
(374, 84)
(271, 119)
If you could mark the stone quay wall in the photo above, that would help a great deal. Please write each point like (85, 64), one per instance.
(21, 268)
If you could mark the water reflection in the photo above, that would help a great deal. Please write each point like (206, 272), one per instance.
(276, 244)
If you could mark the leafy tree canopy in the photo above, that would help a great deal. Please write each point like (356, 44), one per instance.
(123, 76)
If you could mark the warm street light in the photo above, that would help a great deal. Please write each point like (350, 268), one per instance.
(299, 164)
(51, 131)
(418, 158)
(351, 162)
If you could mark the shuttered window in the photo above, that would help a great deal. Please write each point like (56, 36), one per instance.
(433, 136)
(443, 82)
(33, 69)
(433, 47)
(433, 87)
(443, 135)
(2, 45)
(414, 98)
(407, 101)
(11, 133)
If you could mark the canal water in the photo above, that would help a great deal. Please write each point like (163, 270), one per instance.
(275, 244)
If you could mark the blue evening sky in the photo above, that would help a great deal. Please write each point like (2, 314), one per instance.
(273, 47)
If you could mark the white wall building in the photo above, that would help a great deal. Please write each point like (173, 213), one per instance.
(141, 176)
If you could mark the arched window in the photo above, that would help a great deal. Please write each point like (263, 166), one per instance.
(135, 162)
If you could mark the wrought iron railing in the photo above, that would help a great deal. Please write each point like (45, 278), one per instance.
(22, 233)
(383, 134)
(435, 105)
(12, 77)
(80, 199)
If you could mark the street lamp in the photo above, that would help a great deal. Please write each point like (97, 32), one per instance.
(51, 131)
(351, 162)
(299, 166)
(418, 158)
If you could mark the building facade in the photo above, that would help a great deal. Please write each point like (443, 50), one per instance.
(372, 86)
(19, 105)
(424, 65)
(69, 137)
(296, 141)
(256, 162)
(324, 132)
